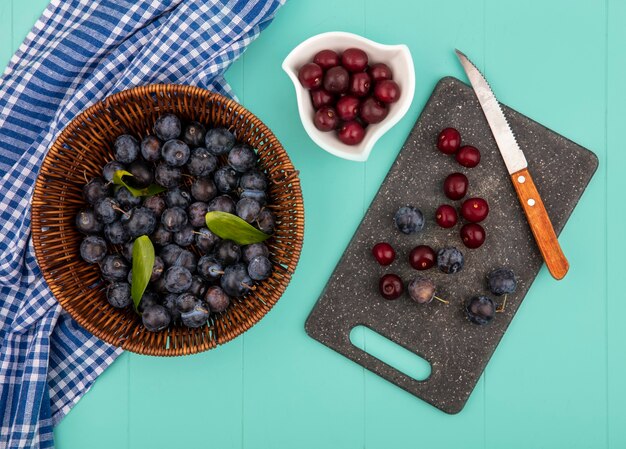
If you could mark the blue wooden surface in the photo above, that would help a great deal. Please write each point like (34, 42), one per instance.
(556, 380)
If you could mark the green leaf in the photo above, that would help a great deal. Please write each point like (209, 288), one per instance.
(231, 227)
(143, 261)
(152, 189)
(118, 180)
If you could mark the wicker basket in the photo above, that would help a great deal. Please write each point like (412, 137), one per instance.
(80, 152)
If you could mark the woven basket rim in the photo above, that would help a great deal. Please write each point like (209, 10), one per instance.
(106, 107)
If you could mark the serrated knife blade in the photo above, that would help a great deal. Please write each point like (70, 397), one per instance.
(511, 153)
(517, 166)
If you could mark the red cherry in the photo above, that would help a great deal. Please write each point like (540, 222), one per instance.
(326, 119)
(326, 59)
(473, 235)
(448, 141)
(347, 108)
(468, 156)
(422, 257)
(354, 59)
(390, 286)
(360, 84)
(446, 216)
(373, 111)
(321, 97)
(455, 186)
(474, 209)
(387, 91)
(383, 253)
(310, 75)
(380, 72)
(336, 80)
(351, 133)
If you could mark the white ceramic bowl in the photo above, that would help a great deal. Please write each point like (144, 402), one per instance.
(397, 57)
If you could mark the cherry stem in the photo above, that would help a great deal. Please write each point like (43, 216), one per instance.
(441, 300)
(85, 176)
(196, 232)
(249, 287)
(501, 308)
(120, 210)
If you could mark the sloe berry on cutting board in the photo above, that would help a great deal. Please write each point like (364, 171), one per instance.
(409, 220)
(450, 260)
(501, 282)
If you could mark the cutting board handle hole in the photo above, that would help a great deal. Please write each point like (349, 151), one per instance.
(390, 353)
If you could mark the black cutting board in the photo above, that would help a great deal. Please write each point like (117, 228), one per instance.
(457, 350)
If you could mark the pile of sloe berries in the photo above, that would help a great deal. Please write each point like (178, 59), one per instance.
(195, 273)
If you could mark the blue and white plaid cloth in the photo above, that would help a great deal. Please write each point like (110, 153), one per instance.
(79, 52)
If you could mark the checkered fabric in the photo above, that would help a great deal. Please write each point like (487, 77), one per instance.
(79, 52)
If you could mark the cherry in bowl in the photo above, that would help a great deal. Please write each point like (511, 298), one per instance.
(360, 84)
(336, 80)
(348, 108)
(373, 111)
(321, 97)
(326, 119)
(359, 91)
(351, 133)
(326, 59)
(310, 75)
(380, 71)
(387, 91)
(354, 59)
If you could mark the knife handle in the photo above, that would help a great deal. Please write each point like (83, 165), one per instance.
(540, 224)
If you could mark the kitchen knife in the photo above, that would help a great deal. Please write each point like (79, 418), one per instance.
(517, 167)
